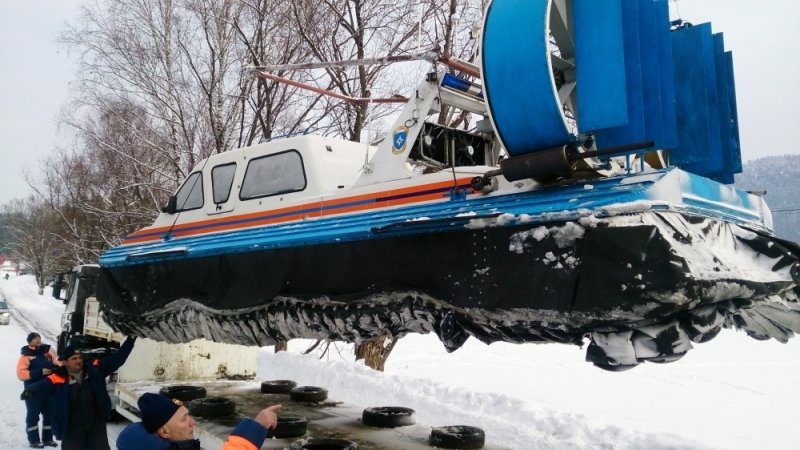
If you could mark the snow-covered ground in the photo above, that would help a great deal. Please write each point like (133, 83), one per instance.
(730, 393)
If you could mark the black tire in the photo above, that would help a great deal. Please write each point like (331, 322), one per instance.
(323, 444)
(388, 417)
(212, 407)
(289, 427)
(277, 386)
(308, 394)
(457, 436)
(183, 392)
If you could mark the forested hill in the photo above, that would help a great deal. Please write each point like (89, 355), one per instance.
(780, 177)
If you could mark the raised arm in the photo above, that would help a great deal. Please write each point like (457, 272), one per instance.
(112, 363)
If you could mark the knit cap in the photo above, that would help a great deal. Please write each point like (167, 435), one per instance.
(69, 351)
(156, 410)
(32, 336)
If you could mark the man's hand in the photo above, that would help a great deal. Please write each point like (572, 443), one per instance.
(46, 371)
(60, 371)
(27, 394)
(268, 417)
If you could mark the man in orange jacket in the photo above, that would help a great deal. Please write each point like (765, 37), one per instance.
(78, 392)
(167, 425)
(37, 361)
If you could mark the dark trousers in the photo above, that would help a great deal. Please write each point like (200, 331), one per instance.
(38, 406)
(91, 436)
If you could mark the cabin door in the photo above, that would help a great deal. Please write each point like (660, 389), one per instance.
(223, 178)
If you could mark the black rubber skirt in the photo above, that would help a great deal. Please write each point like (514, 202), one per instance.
(553, 282)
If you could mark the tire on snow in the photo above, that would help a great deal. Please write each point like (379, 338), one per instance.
(184, 393)
(212, 407)
(308, 394)
(289, 427)
(388, 417)
(277, 386)
(457, 436)
(323, 444)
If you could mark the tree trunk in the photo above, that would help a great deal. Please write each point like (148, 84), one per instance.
(40, 281)
(281, 346)
(376, 351)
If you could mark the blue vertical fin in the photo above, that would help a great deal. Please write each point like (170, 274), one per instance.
(736, 165)
(651, 71)
(696, 114)
(725, 175)
(669, 132)
(634, 130)
(599, 64)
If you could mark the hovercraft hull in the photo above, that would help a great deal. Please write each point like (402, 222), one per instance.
(499, 268)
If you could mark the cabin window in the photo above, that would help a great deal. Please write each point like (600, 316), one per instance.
(273, 174)
(190, 195)
(221, 182)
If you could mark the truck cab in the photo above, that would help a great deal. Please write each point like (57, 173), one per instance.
(79, 290)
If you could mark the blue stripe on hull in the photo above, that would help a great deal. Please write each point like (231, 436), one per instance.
(663, 189)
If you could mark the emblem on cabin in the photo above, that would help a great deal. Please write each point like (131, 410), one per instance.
(399, 138)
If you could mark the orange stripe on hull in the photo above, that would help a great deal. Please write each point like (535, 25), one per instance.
(310, 210)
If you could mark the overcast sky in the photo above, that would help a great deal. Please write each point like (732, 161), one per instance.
(35, 75)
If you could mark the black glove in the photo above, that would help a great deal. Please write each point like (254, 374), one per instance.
(27, 394)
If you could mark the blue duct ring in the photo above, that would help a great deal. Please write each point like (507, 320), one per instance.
(517, 74)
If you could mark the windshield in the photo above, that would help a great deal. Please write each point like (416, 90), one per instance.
(3, 304)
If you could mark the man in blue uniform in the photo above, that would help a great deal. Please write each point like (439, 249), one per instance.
(81, 405)
(36, 362)
(167, 425)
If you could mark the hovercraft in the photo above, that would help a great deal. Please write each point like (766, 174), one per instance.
(593, 200)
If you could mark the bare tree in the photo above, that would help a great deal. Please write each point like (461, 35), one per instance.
(30, 223)
(266, 31)
(129, 54)
(376, 352)
(161, 86)
(110, 184)
(337, 30)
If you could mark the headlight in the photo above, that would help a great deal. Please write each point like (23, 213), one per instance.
(5, 314)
